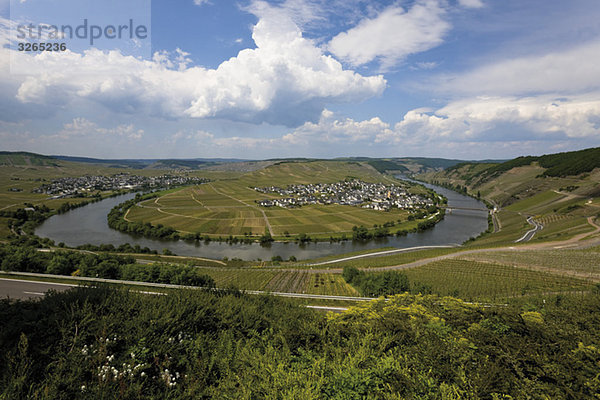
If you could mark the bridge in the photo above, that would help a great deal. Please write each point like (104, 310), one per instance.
(465, 208)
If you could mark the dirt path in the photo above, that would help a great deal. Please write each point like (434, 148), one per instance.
(126, 214)
(248, 205)
(568, 196)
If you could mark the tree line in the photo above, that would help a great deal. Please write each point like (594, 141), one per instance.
(27, 258)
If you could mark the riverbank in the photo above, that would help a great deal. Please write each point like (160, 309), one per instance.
(88, 225)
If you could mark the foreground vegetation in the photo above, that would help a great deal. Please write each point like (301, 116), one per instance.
(105, 343)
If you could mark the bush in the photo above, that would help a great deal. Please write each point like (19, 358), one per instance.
(376, 284)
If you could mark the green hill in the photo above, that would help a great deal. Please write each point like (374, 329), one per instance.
(561, 191)
(556, 165)
(22, 158)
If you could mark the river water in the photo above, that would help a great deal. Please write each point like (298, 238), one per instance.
(88, 224)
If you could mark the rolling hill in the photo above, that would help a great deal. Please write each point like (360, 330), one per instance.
(559, 191)
(22, 158)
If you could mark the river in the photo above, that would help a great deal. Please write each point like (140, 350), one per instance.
(88, 224)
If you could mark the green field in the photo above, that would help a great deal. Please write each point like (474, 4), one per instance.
(228, 207)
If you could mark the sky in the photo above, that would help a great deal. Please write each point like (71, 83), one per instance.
(258, 79)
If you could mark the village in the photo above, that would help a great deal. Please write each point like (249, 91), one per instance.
(376, 196)
(66, 187)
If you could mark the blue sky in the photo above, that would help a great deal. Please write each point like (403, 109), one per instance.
(469, 79)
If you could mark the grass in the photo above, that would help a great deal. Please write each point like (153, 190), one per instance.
(534, 203)
(204, 262)
(485, 281)
(354, 253)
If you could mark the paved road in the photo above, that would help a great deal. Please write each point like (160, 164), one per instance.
(529, 235)
(22, 289)
(381, 253)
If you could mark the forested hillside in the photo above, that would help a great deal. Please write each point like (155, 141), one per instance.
(556, 165)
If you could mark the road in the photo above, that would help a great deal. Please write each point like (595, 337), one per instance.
(379, 253)
(22, 289)
(529, 234)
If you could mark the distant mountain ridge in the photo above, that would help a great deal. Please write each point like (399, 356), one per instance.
(152, 163)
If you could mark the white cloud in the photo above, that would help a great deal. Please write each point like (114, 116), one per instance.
(201, 2)
(471, 3)
(501, 119)
(286, 80)
(300, 12)
(490, 127)
(426, 65)
(331, 129)
(569, 71)
(393, 34)
(81, 127)
(475, 120)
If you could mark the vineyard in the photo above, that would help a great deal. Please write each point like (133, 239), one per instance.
(585, 264)
(240, 278)
(280, 281)
(332, 284)
(548, 219)
(489, 281)
(565, 228)
(289, 282)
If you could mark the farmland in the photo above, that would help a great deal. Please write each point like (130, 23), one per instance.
(228, 207)
(21, 174)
